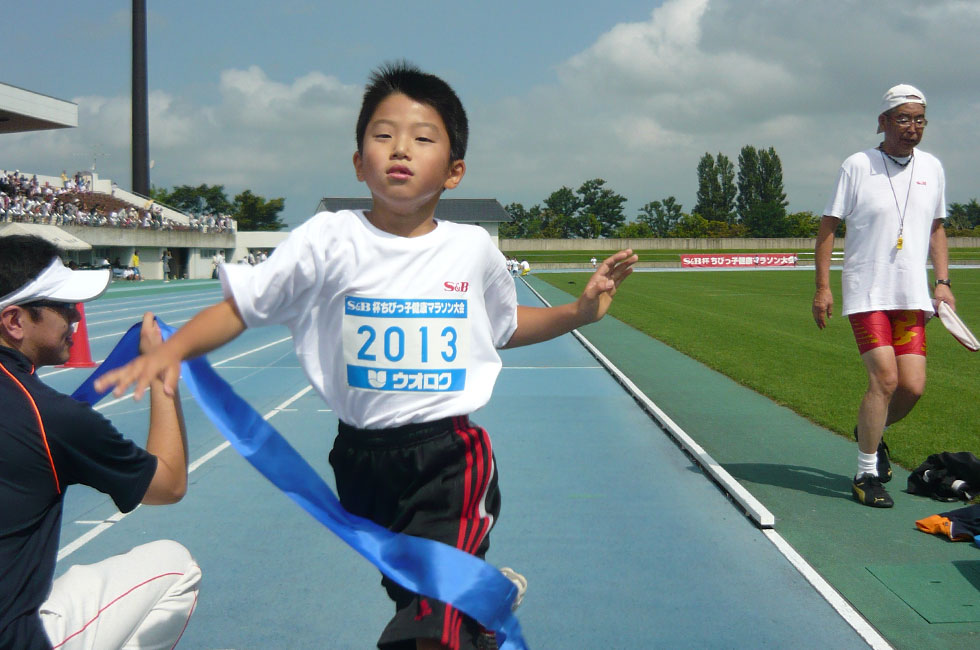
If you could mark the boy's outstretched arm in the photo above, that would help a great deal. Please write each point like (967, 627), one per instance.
(536, 324)
(211, 328)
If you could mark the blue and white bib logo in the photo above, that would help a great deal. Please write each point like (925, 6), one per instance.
(406, 345)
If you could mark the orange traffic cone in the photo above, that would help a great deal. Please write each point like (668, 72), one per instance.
(79, 355)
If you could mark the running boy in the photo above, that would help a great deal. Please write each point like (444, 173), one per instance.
(396, 317)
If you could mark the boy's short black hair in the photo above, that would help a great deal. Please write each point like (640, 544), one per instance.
(403, 77)
(22, 258)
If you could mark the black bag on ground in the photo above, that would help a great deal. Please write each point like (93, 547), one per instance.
(948, 476)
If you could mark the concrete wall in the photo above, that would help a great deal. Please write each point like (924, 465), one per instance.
(192, 250)
(656, 244)
(790, 243)
(256, 240)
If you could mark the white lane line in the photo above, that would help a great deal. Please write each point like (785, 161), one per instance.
(102, 405)
(102, 526)
(119, 516)
(263, 367)
(105, 336)
(136, 314)
(133, 305)
(99, 362)
(61, 370)
(552, 368)
(92, 534)
(752, 506)
(99, 308)
(262, 347)
(831, 595)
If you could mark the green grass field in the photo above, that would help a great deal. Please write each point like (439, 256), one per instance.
(583, 256)
(756, 327)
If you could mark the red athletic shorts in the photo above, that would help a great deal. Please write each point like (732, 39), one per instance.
(903, 329)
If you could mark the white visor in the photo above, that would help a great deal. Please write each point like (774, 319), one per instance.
(957, 327)
(58, 282)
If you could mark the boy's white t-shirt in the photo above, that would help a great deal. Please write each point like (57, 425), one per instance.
(390, 330)
(877, 275)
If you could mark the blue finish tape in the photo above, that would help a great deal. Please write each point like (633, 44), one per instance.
(420, 565)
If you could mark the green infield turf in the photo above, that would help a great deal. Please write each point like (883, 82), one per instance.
(756, 327)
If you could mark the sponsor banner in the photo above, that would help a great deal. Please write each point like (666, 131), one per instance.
(739, 260)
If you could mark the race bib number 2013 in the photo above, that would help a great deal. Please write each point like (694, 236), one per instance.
(406, 345)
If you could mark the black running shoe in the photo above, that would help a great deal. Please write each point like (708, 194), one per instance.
(884, 459)
(486, 640)
(867, 490)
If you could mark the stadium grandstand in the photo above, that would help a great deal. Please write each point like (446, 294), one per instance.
(92, 219)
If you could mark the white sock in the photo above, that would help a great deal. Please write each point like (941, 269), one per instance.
(867, 464)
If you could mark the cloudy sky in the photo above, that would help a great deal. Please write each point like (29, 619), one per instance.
(263, 94)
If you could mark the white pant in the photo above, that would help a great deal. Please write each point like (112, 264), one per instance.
(141, 599)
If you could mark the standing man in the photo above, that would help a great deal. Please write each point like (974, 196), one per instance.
(893, 199)
(134, 262)
(167, 259)
(48, 441)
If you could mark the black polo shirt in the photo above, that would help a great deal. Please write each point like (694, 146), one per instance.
(49, 441)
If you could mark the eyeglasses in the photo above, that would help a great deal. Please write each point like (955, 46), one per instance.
(905, 120)
(66, 309)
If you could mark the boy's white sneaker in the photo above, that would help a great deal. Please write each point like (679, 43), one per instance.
(519, 581)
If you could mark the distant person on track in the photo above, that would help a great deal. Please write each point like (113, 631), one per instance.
(48, 441)
(398, 317)
(134, 263)
(167, 260)
(893, 200)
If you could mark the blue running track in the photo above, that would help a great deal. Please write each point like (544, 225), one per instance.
(624, 542)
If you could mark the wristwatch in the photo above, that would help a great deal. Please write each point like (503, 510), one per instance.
(946, 282)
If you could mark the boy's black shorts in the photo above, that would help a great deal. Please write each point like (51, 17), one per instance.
(436, 480)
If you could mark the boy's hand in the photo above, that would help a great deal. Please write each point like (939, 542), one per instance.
(150, 336)
(598, 293)
(153, 363)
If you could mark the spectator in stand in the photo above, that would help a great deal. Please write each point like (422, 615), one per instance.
(24, 199)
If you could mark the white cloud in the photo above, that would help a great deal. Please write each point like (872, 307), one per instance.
(261, 134)
(647, 99)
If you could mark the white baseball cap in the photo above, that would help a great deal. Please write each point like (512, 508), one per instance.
(898, 95)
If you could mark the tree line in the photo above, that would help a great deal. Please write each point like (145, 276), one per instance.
(251, 211)
(963, 219)
(747, 202)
